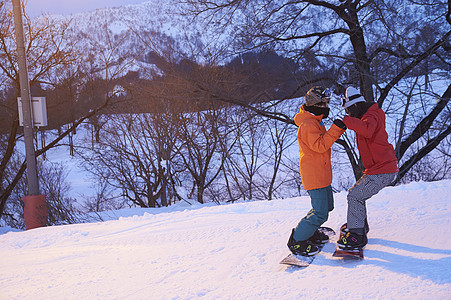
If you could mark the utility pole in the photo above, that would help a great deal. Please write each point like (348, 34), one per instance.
(35, 206)
(32, 175)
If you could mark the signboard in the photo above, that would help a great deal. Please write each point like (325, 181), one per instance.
(38, 110)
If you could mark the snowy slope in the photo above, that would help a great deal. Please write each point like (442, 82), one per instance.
(232, 252)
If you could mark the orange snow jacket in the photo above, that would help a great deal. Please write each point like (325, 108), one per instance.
(314, 148)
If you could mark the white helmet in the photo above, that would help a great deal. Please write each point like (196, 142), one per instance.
(352, 97)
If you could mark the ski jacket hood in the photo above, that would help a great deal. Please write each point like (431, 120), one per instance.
(378, 155)
(314, 148)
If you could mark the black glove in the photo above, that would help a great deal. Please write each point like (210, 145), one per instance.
(340, 124)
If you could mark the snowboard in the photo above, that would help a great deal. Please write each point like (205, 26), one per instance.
(352, 253)
(305, 261)
(357, 253)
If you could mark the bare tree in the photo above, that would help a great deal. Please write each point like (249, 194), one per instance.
(126, 159)
(429, 131)
(48, 51)
(200, 149)
(62, 208)
(370, 37)
(246, 160)
(281, 137)
(105, 198)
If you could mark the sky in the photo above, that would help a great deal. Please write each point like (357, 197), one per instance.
(35, 8)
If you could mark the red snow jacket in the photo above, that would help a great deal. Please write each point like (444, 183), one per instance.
(378, 155)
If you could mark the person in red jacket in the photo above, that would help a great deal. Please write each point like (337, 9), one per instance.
(378, 157)
(316, 171)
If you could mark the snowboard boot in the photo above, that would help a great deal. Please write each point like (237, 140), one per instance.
(304, 248)
(319, 238)
(351, 240)
(345, 226)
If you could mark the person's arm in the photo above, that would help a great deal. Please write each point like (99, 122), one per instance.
(364, 127)
(319, 142)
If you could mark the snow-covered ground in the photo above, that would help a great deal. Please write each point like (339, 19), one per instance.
(233, 252)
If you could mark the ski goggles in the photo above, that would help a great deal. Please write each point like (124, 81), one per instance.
(325, 94)
(347, 102)
(343, 101)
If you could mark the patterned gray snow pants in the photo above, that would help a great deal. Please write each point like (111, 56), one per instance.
(366, 187)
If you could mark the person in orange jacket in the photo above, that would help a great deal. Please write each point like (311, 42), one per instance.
(315, 168)
(379, 159)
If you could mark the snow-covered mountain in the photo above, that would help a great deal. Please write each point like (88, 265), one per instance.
(165, 27)
(132, 31)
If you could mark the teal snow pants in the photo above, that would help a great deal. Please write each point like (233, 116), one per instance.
(322, 203)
